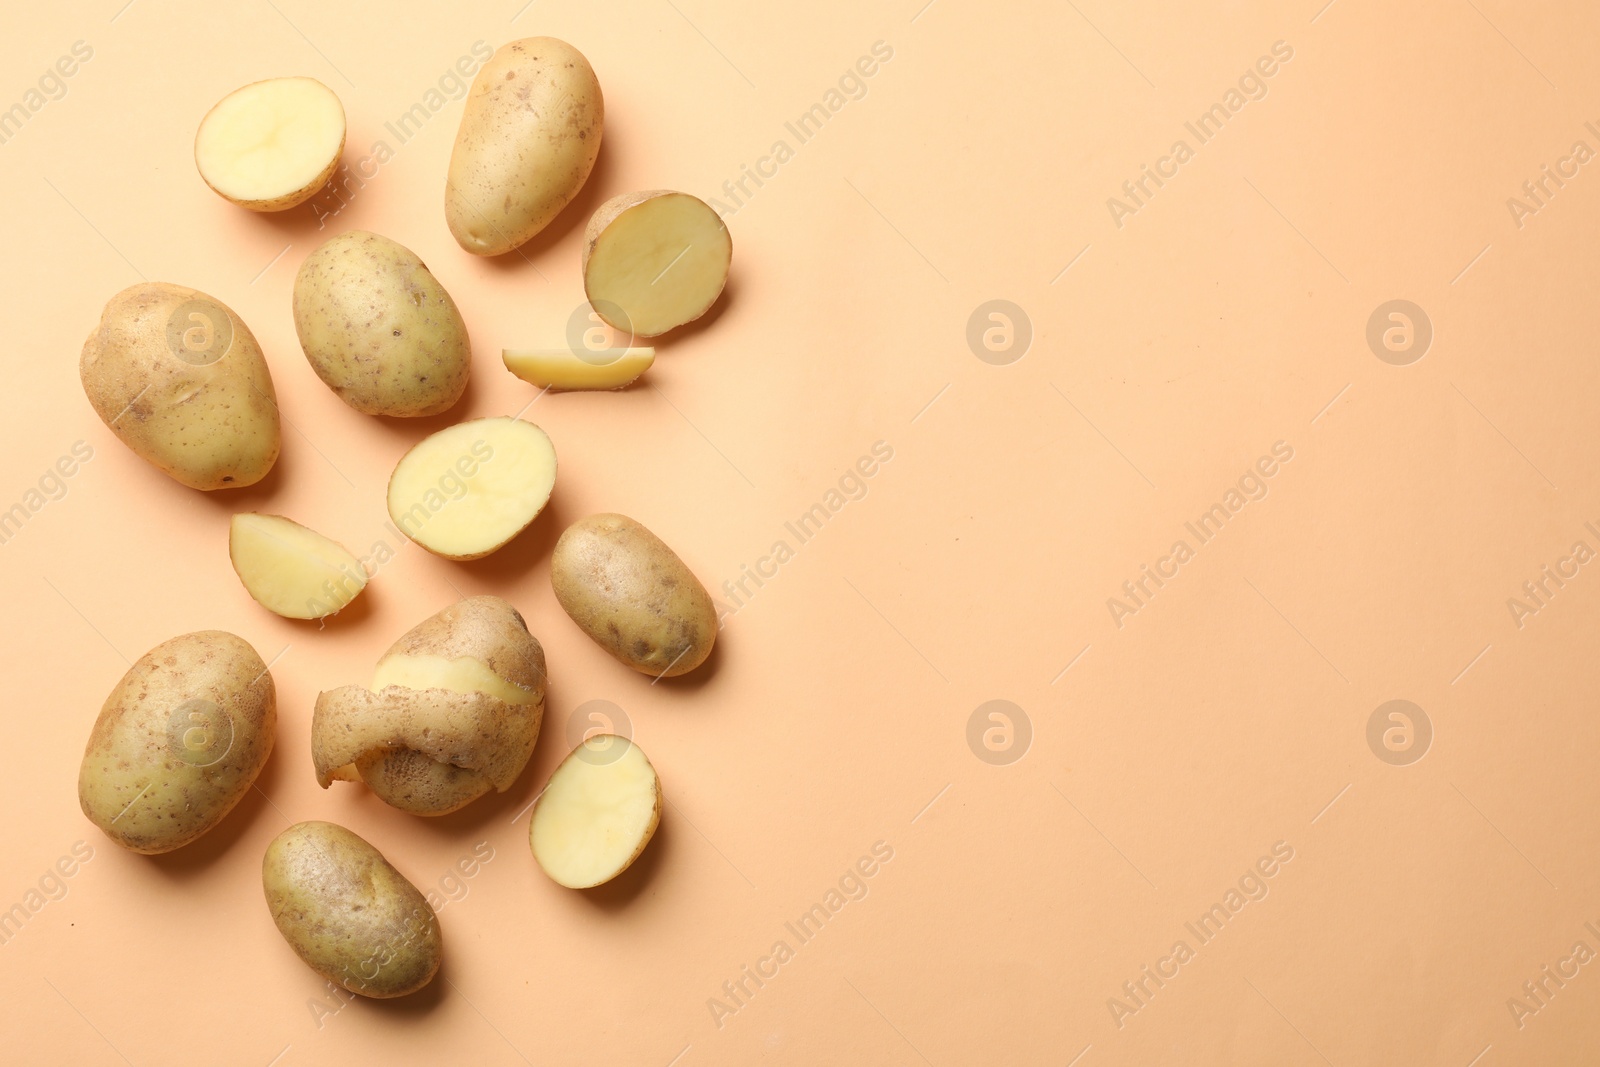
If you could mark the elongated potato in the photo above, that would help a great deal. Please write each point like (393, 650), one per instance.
(597, 812)
(379, 329)
(467, 490)
(179, 378)
(453, 711)
(291, 570)
(348, 913)
(272, 144)
(655, 260)
(633, 596)
(560, 369)
(179, 741)
(530, 133)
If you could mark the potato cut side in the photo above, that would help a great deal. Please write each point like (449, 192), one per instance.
(562, 369)
(654, 260)
(291, 570)
(597, 813)
(271, 144)
(468, 489)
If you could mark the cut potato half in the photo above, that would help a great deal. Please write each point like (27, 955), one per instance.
(468, 489)
(654, 260)
(562, 369)
(272, 144)
(597, 813)
(291, 570)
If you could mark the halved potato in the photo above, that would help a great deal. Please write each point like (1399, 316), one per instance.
(272, 144)
(560, 369)
(291, 570)
(468, 489)
(597, 812)
(654, 260)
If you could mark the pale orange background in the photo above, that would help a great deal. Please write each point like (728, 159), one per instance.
(1227, 715)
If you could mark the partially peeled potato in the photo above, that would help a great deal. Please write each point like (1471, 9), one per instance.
(453, 712)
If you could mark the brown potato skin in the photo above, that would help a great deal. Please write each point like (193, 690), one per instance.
(211, 426)
(433, 751)
(379, 329)
(132, 782)
(633, 596)
(530, 133)
(348, 913)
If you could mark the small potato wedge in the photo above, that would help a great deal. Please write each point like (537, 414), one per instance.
(291, 570)
(561, 370)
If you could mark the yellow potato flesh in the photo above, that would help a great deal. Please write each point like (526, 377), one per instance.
(561, 369)
(463, 675)
(291, 570)
(657, 265)
(597, 813)
(468, 489)
(272, 144)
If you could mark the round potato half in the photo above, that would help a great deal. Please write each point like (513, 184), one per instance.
(654, 260)
(597, 812)
(272, 144)
(465, 491)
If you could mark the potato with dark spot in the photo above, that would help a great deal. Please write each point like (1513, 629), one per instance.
(179, 741)
(632, 594)
(348, 913)
(530, 133)
(379, 329)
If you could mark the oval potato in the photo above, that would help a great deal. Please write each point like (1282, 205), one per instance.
(530, 133)
(632, 594)
(179, 741)
(379, 329)
(348, 913)
(179, 378)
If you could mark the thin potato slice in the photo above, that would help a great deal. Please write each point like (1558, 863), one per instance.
(597, 812)
(291, 570)
(271, 144)
(654, 260)
(561, 369)
(467, 490)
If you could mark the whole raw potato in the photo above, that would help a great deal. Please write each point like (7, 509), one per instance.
(631, 593)
(530, 132)
(348, 913)
(179, 741)
(379, 329)
(179, 378)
